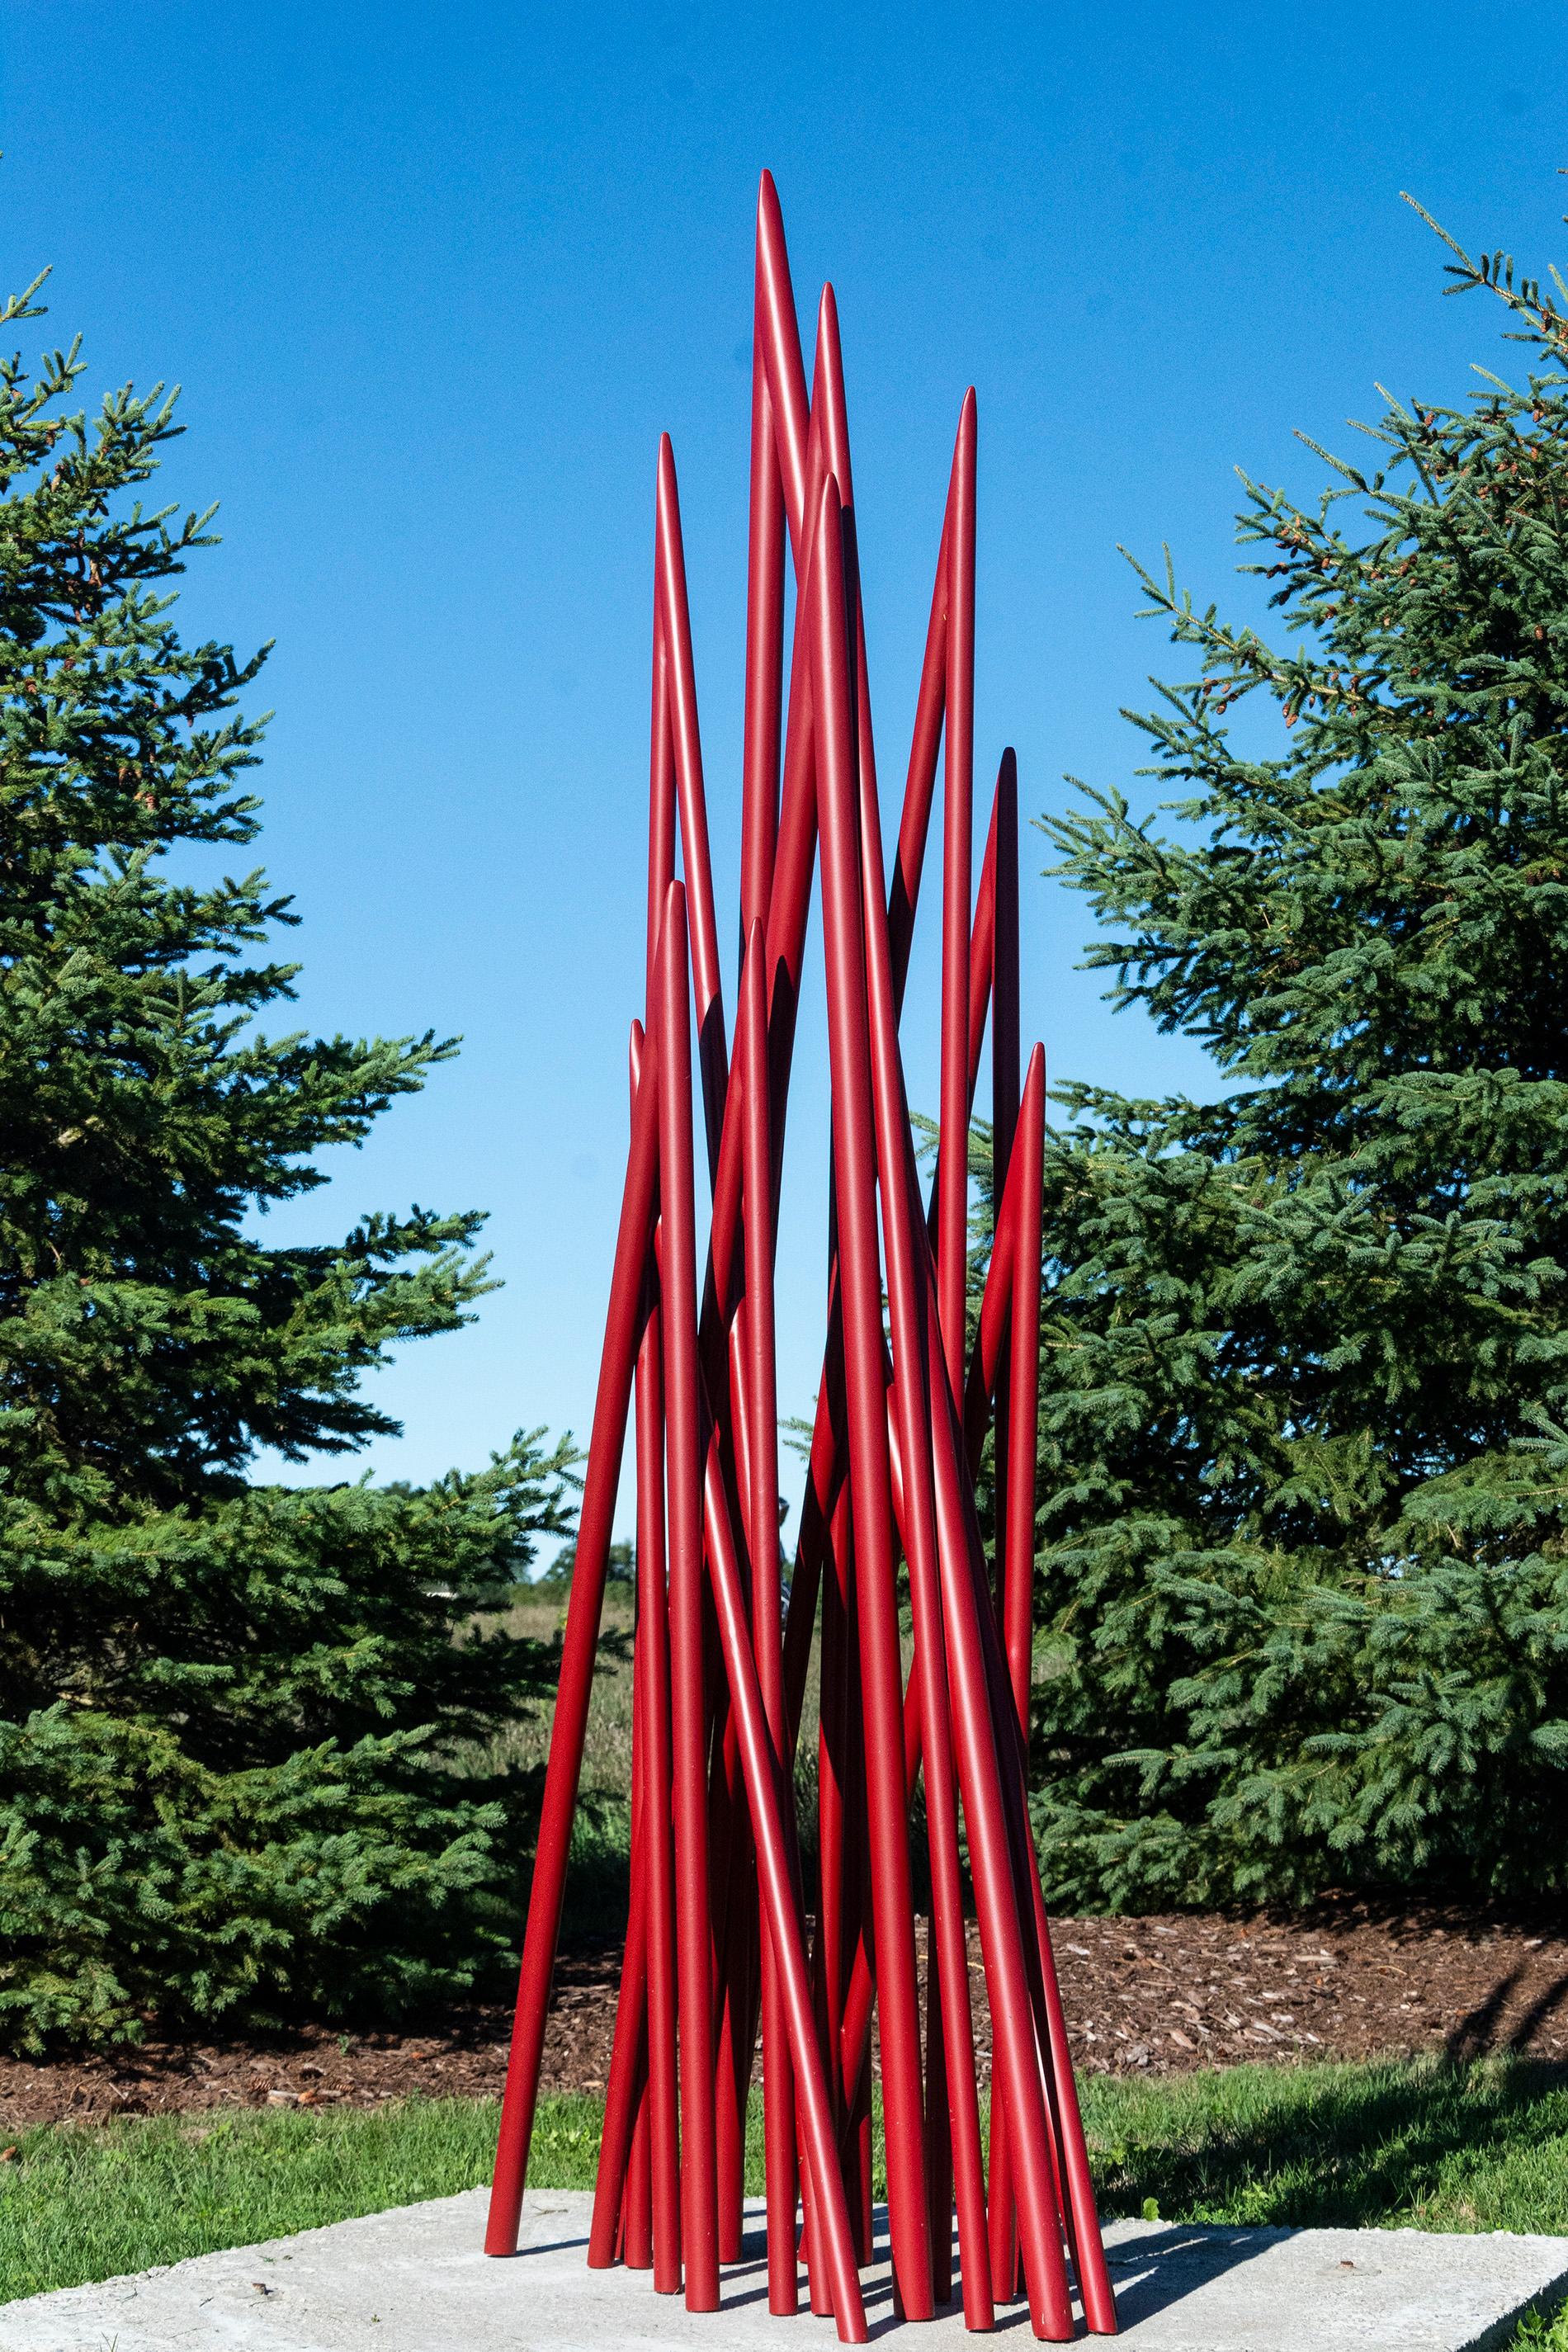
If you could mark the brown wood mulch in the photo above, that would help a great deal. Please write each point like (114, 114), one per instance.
(1142, 1995)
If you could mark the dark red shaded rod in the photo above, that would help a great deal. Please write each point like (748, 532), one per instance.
(579, 1644)
(767, 1629)
(689, 1717)
(870, 1495)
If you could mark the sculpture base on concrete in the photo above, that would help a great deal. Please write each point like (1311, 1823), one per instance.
(415, 2281)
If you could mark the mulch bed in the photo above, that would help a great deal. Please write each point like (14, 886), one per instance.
(1143, 1996)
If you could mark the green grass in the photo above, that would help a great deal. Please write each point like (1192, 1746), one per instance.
(80, 2201)
(1477, 2148)
(1415, 2143)
(1538, 2334)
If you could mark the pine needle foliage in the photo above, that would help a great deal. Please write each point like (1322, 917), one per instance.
(1304, 1438)
(230, 1714)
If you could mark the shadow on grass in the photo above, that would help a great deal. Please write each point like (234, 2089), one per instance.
(1443, 2145)
(1477, 2032)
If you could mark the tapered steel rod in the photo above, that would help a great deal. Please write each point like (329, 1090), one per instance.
(784, 935)
(854, 1182)
(722, 1352)
(687, 743)
(824, 1478)
(578, 1646)
(990, 1340)
(628, 2053)
(729, 2112)
(780, 1896)
(1065, 2145)
(925, 738)
(832, 1794)
(827, 1467)
(764, 654)
(652, 1662)
(614, 2224)
(954, 2123)
(1087, 2246)
(758, 852)
(882, 1003)
(794, 861)
(1024, 1373)
(796, 837)
(689, 1740)
(1004, 857)
(637, 2206)
(650, 1671)
(958, 795)
(788, 905)
(976, 1722)
(858, 2164)
(812, 2256)
(780, 336)
(925, 741)
(797, 828)
(1004, 989)
(939, 2185)
(1016, 2062)
(1003, 1123)
(995, 1320)
(982, 976)
(787, 935)
(799, 461)
(981, 952)
(859, 1999)
(767, 1632)
(661, 802)
(1001, 864)
(734, 1869)
(857, 2007)
(627, 2095)
(858, 1908)
(676, 771)
(830, 413)
(652, 1656)
(729, 1868)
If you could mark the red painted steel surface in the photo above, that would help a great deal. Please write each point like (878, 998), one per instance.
(728, 1941)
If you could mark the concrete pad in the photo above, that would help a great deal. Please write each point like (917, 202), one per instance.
(415, 2281)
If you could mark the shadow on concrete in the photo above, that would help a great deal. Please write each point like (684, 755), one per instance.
(1164, 2265)
(1161, 2267)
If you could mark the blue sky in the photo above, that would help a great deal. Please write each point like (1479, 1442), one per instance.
(434, 279)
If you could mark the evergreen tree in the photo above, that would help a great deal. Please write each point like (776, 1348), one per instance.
(1304, 1436)
(233, 1716)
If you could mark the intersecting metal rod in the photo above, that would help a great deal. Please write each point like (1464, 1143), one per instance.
(578, 1645)
(687, 1672)
(855, 1174)
(767, 1632)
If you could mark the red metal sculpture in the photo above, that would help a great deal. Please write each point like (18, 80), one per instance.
(717, 1942)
